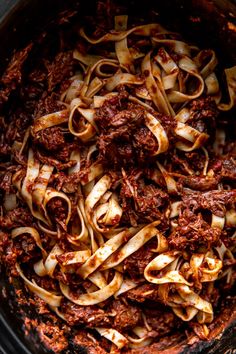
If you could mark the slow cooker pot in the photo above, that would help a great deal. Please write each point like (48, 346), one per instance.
(209, 23)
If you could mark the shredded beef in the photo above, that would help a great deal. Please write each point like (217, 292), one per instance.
(141, 201)
(60, 69)
(15, 218)
(215, 201)
(47, 104)
(229, 169)
(124, 137)
(57, 209)
(162, 320)
(200, 183)
(92, 346)
(91, 316)
(126, 316)
(143, 293)
(54, 162)
(52, 336)
(136, 262)
(203, 113)
(13, 74)
(192, 232)
(51, 138)
(5, 182)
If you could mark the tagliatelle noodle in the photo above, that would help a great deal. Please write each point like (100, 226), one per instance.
(137, 241)
(33, 233)
(50, 120)
(48, 297)
(97, 296)
(104, 252)
(113, 335)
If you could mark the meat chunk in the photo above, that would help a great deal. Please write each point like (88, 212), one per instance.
(14, 73)
(91, 346)
(57, 210)
(126, 317)
(15, 218)
(229, 169)
(52, 336)
(51, 139)
(141, 201)
(193, 232)
(203, 113)
(60, 69)
(143, 292)
(47, 104)
(215, 201)
(91, 316)
(162, 320)
(5, 182)
(137, 262)
(200, 183)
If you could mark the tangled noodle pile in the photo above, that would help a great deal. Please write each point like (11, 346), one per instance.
(146, 175)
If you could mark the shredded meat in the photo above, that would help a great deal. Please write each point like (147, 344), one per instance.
(47, 104)
(5, 182)
(192, 232)
(229, 169)
(124, 137)
(136, 262)
(92, 346)
(51, 138)
(12, 77)
(141, 201)
(144, 292)
(92, 316)
(203, 113)
(215, 201)
(162, 320)
(60, 69)
(125, 316)
(58, 210)
(52, 336)
(200, 183)
(15, 218)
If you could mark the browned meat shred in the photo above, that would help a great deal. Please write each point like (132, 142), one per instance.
(60, 69)
(13, 74)
(203, 113)
(51, 138)
(89, 315)
(92, 346)
(124, 138)
(192, 232)
(126, 317)
(136, 262)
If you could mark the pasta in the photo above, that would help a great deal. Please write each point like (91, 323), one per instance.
(132, 120)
